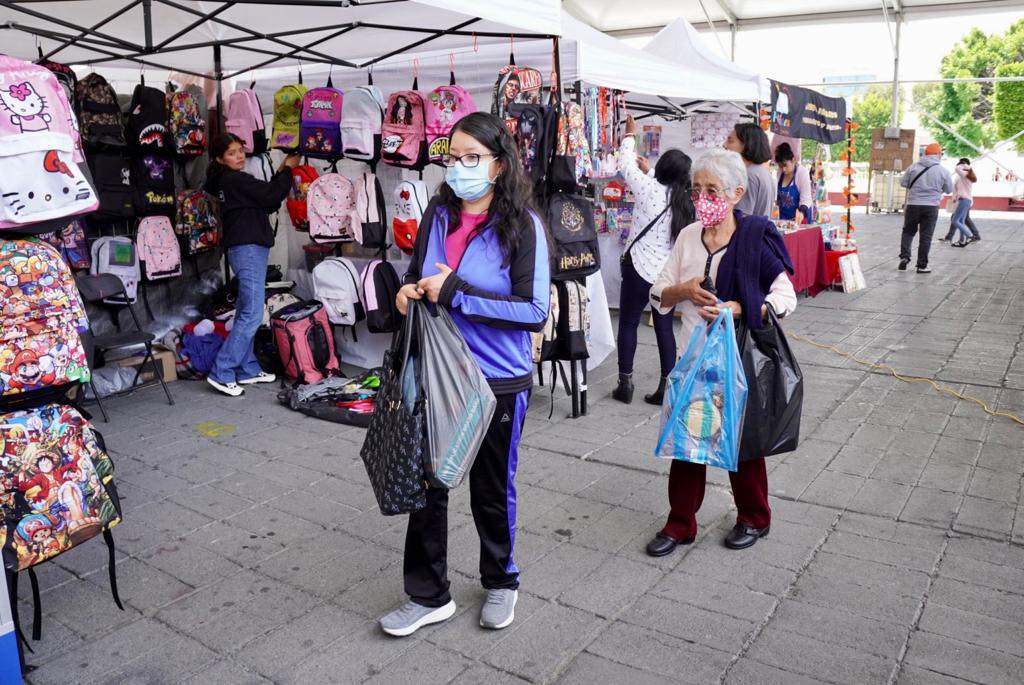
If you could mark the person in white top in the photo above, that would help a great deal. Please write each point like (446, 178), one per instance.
(662, 208)
(726, 259)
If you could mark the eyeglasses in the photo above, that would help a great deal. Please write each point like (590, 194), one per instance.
(469, 161)
(712, 193)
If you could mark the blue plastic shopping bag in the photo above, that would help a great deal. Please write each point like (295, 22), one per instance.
(706, 394)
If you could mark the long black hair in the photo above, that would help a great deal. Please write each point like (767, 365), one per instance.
(220, 144)
(509, 212)
(673, 172)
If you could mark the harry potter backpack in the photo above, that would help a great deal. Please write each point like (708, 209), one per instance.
(575, 251)
(320, 125)
(404, 134)
(361, 120)
(287, 116)
(445, 106)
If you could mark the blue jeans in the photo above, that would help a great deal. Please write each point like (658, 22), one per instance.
(236, 360)
(633, 302)
(960, 217)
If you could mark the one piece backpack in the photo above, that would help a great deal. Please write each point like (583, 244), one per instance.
(99, 115)
(117, 255)
(411, 199)
(297, 205)
(72, 245)
(371, 227)
(287, 117)
(380, 285)
(197, 221)
(245, 120)
(158, 248)
(320, 126)
(361, 120)
(336, 286)
(43, 317)
(305, 342)
(146, 122)
(445, 106)
(153, 179)
(187, 124)
(404, 134)
(575, 252)
(515, 85)
(330, 203)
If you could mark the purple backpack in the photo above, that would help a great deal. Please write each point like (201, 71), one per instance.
(320, 123)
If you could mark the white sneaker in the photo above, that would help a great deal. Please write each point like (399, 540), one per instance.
(264, 377)
(499, 609)
(233, 389)
(410, 617)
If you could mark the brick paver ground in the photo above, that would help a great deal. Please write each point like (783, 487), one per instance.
(252, 551)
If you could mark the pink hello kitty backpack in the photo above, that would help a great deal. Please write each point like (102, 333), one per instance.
(331, 206)
(445, 106)
(40, 152)
(320, 122)
(158, 248)
(404, 134)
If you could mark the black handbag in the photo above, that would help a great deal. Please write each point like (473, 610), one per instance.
(394, 448)
(775, 390)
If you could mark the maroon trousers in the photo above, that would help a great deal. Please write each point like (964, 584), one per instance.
(686, 493)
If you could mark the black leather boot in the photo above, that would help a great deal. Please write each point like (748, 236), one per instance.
(658, 395)
(624, 391)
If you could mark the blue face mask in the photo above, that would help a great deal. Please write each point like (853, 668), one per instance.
(469, 184)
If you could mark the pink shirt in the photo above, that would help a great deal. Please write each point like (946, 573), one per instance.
(455, 242)
(964, 188)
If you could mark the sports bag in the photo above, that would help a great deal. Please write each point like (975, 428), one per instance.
(43, 317)
(411, 200)
(320, 125)
(445, 106)
(370, 229)
(100, 119)
(153, 178)
(287, 115)
(197, 220)
(112, 175)
(575, 251)
(305, 342)
(245, 120)
(515, 85)
(158, 248)
(380, 286)
(330, 204)
(117, 255)
(297, 202)
(361, 120)
(72, 245)
(573, 321)
(404, 134)
(336, 286)
(66, 77)
(146, 122)
(187, 125)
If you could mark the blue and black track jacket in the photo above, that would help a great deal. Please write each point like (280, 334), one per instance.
(495, 305)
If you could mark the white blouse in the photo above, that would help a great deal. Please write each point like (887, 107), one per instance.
(688, 259)
(650, 254)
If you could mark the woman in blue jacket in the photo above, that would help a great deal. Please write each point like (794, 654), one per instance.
(482, 252)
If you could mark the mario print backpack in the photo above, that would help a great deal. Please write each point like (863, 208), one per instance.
(361, 120)
(197, 221)
(336, 286)
(404, 135)
(186, 122)
(411, 199)
(159, 253)
(146, 122)
(445, 106)
(370, 230)
(302, 177)
(245, 120)
(99, 114)
(117, 255)
(287, 117)
(330, 204)
(320, 126)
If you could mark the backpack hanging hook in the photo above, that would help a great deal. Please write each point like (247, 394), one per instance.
(451, 68)
(415, 74)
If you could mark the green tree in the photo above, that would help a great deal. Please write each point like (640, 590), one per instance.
(871, 109)
(1009, 104)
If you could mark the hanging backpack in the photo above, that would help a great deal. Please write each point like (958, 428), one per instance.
(535, 129)
(371, 228)
(330, 203)
(245, 120)
(187, 123)
(320, 125)
(197, 221)
(544, 341)
(336, 286)
(411, 199)
(305, 342)
(112, 175)
(66, 77)
(572, 142)
(153, 179)
(158, 248)
(260, 167)
(43, 317)
(99, 115)
(380, 285)
(146, 122)
(117, 255)
(302, 177)
(404, 135)
(445, 106)
(361, 120)
(72, 245)
(287, 117)
(575, 252)
(573, 321)
(515, 85)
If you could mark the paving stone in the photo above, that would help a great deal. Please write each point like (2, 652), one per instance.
(931, 507)
(226, 671)
(716, 562)
(961, 660)
(985, 516)
(880, 498)
(912, 675)
(862, 547)
(832, 489)
(882, 638)
(947, 477)
(587, 668)
(672, 657)
(423, 663)
(353, 658)
(689, 623)
(821, 659)
(890, 605)
(190, 563)
(974, 628)
(994, 485)
(715, 596)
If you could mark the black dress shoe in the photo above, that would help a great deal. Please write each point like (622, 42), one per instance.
(663, 545)
(742, 536)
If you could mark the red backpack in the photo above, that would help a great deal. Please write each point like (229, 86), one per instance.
(298, 211)
(305, 341)
(404, 133)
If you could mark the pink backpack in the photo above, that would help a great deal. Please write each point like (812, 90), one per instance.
(404, 134)
(158, 249)
(445, 106)
(305, 341)
(320, 123)
(331, 207)
(245, 120)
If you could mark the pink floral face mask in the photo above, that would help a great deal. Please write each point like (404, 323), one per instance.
(711, 209)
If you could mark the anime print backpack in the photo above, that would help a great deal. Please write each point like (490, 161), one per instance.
(145, 126)
(287, 116)
(370, 228)
(535, 129)
(117, 255)
(516, 84)
(245, 120)
(330, 204)
(445, 106)
(411, 200)
(361, 120)
(186, 123)
(380, 286)
(336, 286)
(305, 342)
(158, 248)
(72, 245)
(404, 135)
(99, 115)
(320, 125)
(302, 177)
(197, 221)
(575, 252)
(40, 155)
(153, 178)
(43, 316)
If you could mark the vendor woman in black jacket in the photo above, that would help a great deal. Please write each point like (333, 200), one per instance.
(245, 206)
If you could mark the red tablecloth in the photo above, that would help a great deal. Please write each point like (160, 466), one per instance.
(832, 265)
(807, 250)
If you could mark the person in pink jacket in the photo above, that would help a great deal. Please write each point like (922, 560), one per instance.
(963, 194)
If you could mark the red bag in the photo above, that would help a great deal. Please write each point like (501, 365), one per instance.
(298, 211)
(305, 341)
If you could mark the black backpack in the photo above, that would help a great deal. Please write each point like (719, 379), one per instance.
(575, 252)
(113, 178)
(380, 288)
(153, 178)
(146, 122)
(536, 132)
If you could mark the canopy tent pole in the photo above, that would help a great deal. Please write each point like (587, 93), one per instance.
(894, 117)
(218, 77)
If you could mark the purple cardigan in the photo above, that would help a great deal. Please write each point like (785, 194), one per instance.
(755, 258)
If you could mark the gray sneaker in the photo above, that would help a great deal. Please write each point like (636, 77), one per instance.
(499, 609)
(410, 617)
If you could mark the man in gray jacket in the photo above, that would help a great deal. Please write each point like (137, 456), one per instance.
(926, 182)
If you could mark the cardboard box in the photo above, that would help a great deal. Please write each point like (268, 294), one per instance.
(165, 358)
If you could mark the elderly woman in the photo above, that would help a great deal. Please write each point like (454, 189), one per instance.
(726, 259)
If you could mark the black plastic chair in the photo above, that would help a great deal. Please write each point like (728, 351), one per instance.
(108, 290)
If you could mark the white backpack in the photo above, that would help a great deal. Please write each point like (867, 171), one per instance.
(330, 204)
(371, 229)
(411, 198)
(117, 255)
(158, 248)
(260, 166)
(336, 286)
(361, 117)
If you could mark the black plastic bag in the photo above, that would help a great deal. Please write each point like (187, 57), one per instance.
(775, 391)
